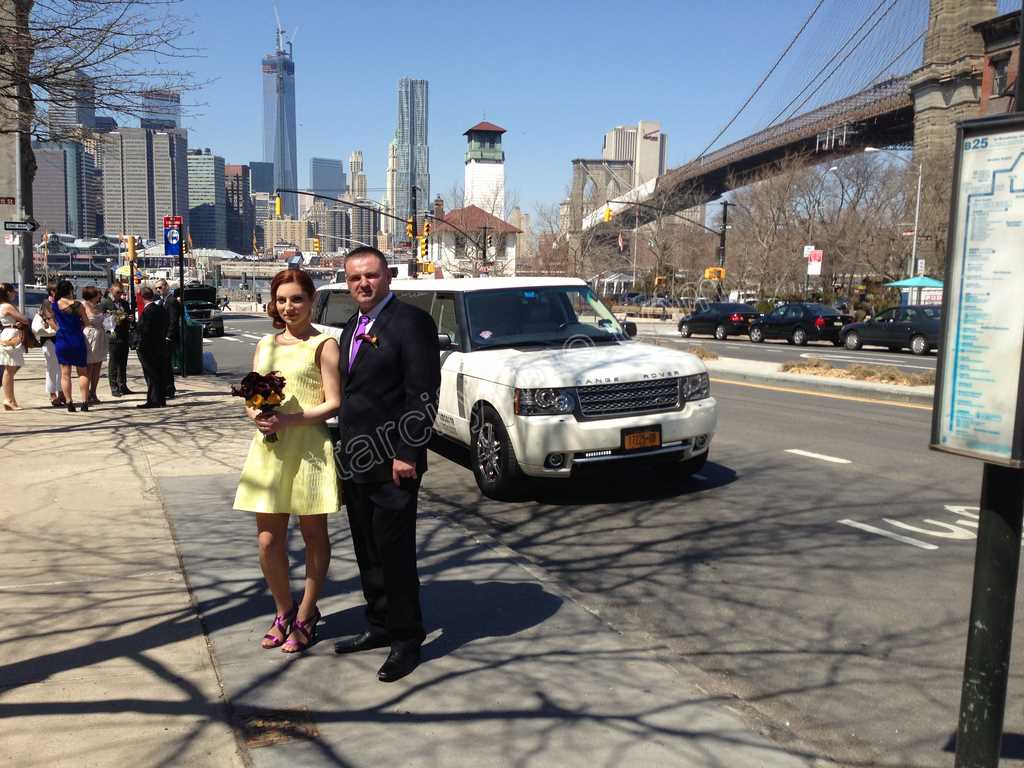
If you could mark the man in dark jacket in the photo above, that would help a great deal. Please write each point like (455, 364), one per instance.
(390, 373)
(153, 349)
(117, 366)
(172, 304)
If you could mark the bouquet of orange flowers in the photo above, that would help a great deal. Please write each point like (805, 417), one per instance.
(264, 391)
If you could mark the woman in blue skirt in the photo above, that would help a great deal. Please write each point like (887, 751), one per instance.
(70, 342)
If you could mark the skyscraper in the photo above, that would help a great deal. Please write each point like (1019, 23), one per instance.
(391, 194)
(261, 176)
(161, 110)
(413, 153)
(145, 177)
(238, 196)
(207, 205)
(642, 144)
(63, 193)
(279, 144)
(327, 177)
(357, 179)
(72, 106)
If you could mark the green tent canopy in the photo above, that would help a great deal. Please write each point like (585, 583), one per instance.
(916, 282)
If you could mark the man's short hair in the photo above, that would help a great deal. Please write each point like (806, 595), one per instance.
(161, 281)
(147, 293)
(366, 250)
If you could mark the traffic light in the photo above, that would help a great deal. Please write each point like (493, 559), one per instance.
(409, 223)
(277, 206)
(490, 242)
(426, 229)
(131, 248)
(714, 273)
(316, 244)
(607, 214)
(423, 247)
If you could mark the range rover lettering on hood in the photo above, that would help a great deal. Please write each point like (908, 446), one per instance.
(616, 379)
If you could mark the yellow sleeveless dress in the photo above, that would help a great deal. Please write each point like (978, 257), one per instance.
(295, 475)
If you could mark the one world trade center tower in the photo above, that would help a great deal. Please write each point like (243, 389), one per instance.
(279, 122)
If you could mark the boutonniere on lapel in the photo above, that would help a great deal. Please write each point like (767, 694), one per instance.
(368, 338)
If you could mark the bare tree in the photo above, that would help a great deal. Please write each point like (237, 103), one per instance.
(55, 53)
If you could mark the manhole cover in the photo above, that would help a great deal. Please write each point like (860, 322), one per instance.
(267, 728)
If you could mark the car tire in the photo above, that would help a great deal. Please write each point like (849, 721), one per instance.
(852, 341)
(684, 330)
(721, 333)
(756, 335)
(799, 337)
(919, 345)
(494, 464)
(680, 470)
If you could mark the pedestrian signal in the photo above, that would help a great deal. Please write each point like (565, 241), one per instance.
(714, 273)
(659, 280)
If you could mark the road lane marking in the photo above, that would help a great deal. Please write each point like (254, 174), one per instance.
(795, 391)
(887, 534)
(252, 336)
(945, 530)
(819, 456)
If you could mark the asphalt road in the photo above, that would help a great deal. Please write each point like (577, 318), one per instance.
(781, 352)
(828, 590)
(818, 570)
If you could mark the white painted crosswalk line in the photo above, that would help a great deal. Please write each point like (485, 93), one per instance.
(252, 336)
(818, 456)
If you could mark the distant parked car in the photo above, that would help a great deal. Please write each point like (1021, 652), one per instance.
(721, 319)
(916, 327)
(207, 314)
(799, 323)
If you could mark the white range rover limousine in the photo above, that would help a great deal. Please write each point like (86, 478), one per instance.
(538, 378)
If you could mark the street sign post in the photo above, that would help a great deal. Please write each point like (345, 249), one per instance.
(20, 226)
(814, 259)
(979, 403)
(172, 247)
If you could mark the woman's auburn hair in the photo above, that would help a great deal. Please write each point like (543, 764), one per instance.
(304, 281)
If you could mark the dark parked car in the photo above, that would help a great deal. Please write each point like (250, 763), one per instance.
(720, 319)
(207, 314)
(799, 323)
(916, 326)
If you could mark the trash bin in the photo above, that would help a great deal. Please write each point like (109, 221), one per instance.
(193, 349)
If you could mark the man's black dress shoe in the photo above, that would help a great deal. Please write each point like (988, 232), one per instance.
(364, 642)
(126, 391)
(402, 660)
(116, 392)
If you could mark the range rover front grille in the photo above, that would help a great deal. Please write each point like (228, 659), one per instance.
(628, 398)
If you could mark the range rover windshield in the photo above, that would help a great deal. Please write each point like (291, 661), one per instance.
(562, 315)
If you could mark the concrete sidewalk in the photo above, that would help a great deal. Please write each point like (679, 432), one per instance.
(118, 651)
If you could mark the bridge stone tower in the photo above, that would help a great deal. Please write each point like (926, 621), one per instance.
(945, 90)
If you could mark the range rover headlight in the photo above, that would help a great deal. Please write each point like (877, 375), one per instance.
(544, 402)
(695, 387)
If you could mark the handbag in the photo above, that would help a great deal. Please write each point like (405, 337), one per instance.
(13, 340)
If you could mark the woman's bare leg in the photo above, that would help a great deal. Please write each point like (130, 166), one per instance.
(273, 540)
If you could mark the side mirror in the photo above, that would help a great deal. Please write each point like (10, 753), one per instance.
(444, 341)
(630, 328)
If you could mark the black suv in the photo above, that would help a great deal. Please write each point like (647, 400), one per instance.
(916, 326)
(799, 323)
(720, 319)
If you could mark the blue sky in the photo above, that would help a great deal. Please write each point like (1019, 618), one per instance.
(557, 75)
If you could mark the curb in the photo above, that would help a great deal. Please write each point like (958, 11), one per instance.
(817, 384)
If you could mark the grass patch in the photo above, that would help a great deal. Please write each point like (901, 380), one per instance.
(704, 353)
(879, 374)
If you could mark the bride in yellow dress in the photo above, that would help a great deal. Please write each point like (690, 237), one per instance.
(294, 475)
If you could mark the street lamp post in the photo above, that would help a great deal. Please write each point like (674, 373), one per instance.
(917, 204)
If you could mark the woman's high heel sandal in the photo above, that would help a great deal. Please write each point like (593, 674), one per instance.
(307, 628)
(71, 406)
(283, 624)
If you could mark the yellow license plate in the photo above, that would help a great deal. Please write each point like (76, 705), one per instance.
(633, 440)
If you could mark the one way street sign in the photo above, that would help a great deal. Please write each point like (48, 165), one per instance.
(20, 226)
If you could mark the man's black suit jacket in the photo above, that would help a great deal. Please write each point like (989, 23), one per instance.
(389, 398)
(153, 332)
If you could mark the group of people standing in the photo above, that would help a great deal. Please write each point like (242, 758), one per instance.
(76, 336)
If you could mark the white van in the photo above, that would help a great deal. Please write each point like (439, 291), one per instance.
(539, 378)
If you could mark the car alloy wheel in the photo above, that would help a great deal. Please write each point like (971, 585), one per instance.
(756, 335)
(721, 333)
(493, 460)
(684, 330)
(799, 337)
(919, 345)
(852, 340)
(488, 453)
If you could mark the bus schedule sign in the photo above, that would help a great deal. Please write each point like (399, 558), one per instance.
(978, 398)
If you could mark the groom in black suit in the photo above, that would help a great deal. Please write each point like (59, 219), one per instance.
(390, 374)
